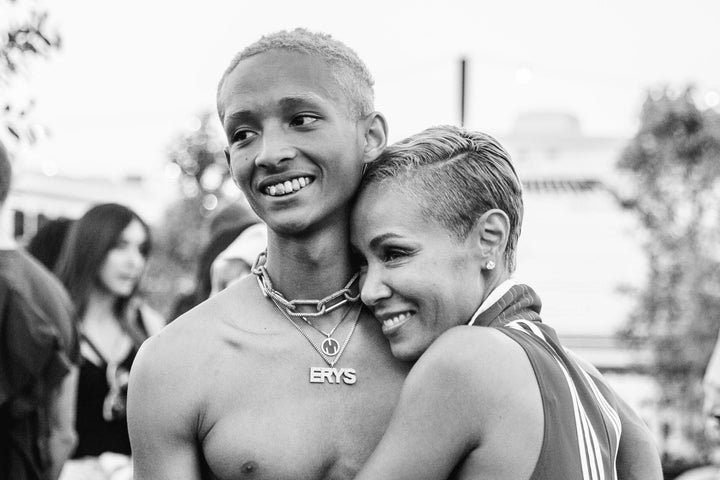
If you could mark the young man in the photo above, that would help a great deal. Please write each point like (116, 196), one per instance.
(497, 402)
(38, 358)
(245, 386)
(259, 381)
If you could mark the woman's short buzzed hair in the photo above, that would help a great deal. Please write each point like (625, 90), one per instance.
(456, 175)
(349, 71)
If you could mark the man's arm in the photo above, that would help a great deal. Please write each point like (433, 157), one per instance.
(61, 421)
(161, 421)
(638, 457)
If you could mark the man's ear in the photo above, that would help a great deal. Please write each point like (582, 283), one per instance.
(493, 229)
(376, 133)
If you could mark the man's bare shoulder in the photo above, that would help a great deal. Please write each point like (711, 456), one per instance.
(188, 343)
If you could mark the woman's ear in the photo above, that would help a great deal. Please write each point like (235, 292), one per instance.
(493, 228)
(376, 132)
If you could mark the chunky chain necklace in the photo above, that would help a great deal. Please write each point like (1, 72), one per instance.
(322, 306)
(330, 349)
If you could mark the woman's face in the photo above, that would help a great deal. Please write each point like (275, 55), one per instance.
(125, 262)
(418, 279)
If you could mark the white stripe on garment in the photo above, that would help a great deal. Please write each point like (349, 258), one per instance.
(608, 410)
(527, 327)
(588, 444)
(589, 473)
(612, 415)
(493, 297)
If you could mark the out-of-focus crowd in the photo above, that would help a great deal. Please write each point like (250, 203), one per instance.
(72, 319)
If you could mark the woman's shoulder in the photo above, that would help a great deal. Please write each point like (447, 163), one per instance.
(466, 342)
(483, 354)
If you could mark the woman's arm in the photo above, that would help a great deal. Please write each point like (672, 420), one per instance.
(465, 395)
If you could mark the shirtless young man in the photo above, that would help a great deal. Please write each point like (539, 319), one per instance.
(237, 387)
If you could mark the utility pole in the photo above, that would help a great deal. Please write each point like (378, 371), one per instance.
(462, 92)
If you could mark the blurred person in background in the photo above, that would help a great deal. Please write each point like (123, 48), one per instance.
(236, 214)
(101, 264)
(47, 242)
(711, 396)
(711, 412)
(38, 360)
(224, 229)
(237, 259)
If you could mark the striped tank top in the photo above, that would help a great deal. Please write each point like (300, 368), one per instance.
(582, 426)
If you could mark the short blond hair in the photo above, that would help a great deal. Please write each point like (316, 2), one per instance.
(351, 73)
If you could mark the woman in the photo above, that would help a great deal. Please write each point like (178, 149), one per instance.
(101, 264)
(504, 401)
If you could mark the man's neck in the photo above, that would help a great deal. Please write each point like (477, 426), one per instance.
(311, 267)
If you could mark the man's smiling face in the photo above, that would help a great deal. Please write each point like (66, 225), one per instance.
(294, 148)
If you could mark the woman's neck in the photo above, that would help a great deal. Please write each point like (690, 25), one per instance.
(100, 308)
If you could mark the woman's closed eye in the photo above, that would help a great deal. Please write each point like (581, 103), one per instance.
(394, 254)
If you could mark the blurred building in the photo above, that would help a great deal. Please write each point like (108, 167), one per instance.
(37, 197)
(581, 250)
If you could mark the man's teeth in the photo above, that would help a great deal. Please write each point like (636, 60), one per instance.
(288, 186)
(396, 319)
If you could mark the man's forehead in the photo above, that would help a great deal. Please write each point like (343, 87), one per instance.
(280, 77)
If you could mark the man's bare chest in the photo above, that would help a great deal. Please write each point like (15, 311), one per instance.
(286, 414)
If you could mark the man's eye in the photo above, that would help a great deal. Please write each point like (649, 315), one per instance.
(242, 135)
(303, 120)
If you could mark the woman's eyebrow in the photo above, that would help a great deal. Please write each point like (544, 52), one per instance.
(375, 242)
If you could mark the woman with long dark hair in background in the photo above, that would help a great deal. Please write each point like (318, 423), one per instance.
(101, 264)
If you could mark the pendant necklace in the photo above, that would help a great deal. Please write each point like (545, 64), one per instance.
(329, 346)
(330, 349)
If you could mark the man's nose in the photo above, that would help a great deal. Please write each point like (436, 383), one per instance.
(276, 147)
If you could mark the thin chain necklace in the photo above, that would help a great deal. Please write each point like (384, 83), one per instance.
(337, 349)
(329, 346)
(290, 306)
(330, 350)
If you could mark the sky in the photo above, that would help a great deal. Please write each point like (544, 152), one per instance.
(133, 75)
